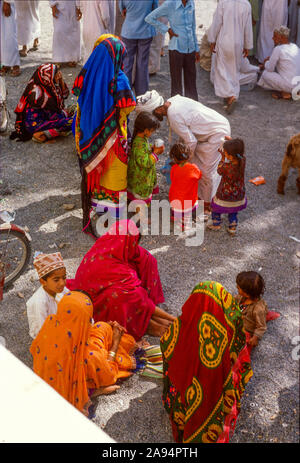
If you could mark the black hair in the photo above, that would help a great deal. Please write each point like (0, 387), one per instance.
(143, 121)
(179, 153)
(82, 291)
(252, 283)
(235, 147)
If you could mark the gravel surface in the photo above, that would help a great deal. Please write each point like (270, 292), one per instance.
(38, 180)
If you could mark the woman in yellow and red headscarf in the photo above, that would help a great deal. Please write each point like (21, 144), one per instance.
(206, 366)
(80, 359)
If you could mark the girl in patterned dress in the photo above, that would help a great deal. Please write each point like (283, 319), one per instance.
(230, 197)
(141, 175)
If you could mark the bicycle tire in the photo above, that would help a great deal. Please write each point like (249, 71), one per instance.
(9, 280)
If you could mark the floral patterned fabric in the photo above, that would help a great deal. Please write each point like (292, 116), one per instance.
(232, 185)
(141, 175)
(208, 342)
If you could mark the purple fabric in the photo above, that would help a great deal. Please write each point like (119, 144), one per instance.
(228, 209)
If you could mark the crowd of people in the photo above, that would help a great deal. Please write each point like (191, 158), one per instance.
(88, 331)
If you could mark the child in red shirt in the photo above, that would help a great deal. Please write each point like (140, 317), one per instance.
(183, 193)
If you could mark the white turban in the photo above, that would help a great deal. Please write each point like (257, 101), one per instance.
(149, 101)
(282, 30)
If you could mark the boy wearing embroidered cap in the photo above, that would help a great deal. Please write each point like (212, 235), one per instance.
(51, 271)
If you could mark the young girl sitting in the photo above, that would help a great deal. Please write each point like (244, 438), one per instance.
(251, 286)
(255, 313)
(230, 197)
(51, 271)
(183, 193)
(141, 174)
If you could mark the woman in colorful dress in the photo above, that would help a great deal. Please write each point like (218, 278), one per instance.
(123, 282)
(41, 113)
(104, 101)
(206, 366)
(80, 359)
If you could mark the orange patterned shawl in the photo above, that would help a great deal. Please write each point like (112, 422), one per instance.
(70, 353)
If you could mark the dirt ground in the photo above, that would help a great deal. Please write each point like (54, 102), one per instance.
(38, 180)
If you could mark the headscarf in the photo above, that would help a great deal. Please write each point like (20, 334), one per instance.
(206, 366)
(122, 279)
(70, 352)
(102, 89)
(46, 263)
(59, 350)
(149, 101)
(41, 92)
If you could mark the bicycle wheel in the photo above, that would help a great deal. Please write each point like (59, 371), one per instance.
(15, 252)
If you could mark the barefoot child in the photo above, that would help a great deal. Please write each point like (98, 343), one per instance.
(52, 275)
(183, 193)
(141, 174)
(230, 197)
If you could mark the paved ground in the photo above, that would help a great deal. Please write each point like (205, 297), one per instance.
(37, 180)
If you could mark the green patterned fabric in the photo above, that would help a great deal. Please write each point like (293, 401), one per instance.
(141, 174)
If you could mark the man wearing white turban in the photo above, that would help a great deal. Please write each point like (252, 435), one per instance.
(202, 129)
(283, 66)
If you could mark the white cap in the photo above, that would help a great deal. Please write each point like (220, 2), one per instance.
(149, 101)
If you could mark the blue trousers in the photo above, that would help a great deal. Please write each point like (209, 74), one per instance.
(232, 218)
(139, 48)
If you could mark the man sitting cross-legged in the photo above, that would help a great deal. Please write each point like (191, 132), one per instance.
(281, 68)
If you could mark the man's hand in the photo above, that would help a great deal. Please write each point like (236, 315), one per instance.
(245, 53)
(197, 57)
(6, 8)
(55, 11)
(124, 12)
(213, 47)
(78, 14)
(172, 33)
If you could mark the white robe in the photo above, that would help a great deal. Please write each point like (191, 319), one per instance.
(39, 306)
(274, 14)
(231, 30)
(28, 21)
(156, 46)
(66, 32)
(203, 130)
(9, 43)
(99, 17)
(282, 67)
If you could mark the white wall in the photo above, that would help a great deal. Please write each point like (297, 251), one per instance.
(31, 411)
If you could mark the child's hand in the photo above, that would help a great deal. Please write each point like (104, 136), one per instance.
(253, 341)
(78, 14)
(55, 11)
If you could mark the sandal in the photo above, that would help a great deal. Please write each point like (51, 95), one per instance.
(15, 72)
(39, 137)
(72, 64)
(230, 107)
(23, 53)
(4, 70)
(35, 45)
(213, 227)
(231, 231)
